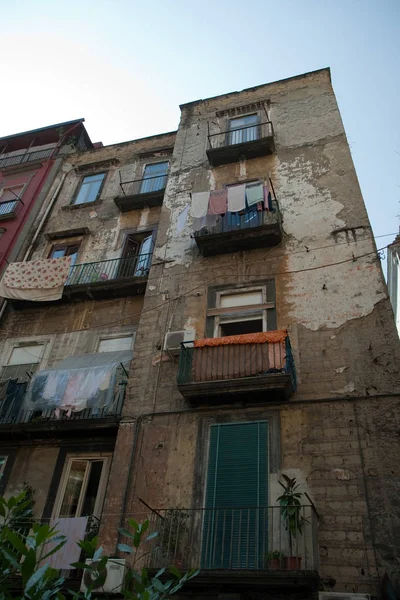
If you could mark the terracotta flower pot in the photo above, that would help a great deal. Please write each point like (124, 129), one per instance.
(293, 563)
(275, 563)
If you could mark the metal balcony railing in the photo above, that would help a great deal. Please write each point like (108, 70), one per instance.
(12, 412)
(241, 135)
(70, 552)
(250, 219)
(235, 361)
(109, 270)
(17, 159)
(234, 538)
(10, 208)
(147, 185)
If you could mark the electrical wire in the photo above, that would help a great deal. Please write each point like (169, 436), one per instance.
(120, 321)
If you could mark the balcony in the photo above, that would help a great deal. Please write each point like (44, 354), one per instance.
(234, 232)
(141, 193)
(9, 209)
(108, 278)
(244, 142)
(25, 157)
(236, 545)
(83, 393)
(215, 370)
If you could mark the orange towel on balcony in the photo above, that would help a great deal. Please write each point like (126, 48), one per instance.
(238, 356)
(279, 335)
(36, 280)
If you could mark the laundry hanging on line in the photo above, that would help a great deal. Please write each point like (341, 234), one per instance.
(233, 199)
(254, 193)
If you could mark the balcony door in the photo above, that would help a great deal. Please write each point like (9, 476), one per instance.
(235, 524)
(243, 129)
(154, 177)
(136, 256)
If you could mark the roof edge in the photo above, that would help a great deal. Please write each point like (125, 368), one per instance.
(256, 87)
(40, 129)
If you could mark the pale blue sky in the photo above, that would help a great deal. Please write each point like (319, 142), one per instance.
(126, 65)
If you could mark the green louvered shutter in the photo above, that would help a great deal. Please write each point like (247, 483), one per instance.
(235, 522)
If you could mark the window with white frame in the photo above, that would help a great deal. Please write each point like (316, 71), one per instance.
(114, 344)
(82, 488)
(245, 310)
(23, 361)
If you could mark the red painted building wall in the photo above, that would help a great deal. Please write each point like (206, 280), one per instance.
(29, 159)
(33, 179)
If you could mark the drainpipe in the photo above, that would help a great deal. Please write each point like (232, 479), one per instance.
(39, 230)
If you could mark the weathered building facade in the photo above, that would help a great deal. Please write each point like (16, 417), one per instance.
(264, 346)
(65, 455)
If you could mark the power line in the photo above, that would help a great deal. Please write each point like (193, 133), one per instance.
(121, 320)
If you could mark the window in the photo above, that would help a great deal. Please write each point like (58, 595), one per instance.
(89, 189)
(244, 129)
(59, 251)
(82, 490)
(23, 360)
(154, 177)
(249, 310)
(9, 197)
(115, 344)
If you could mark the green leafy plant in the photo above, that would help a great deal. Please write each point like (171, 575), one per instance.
(275, 554)
(173, 528)
(291, 508)
(25, 547)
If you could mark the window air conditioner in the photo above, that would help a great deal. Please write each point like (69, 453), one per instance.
(343, 596)
(173, 339)
(115, 571)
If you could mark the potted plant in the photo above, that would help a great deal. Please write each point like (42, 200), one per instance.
(291, 508)
(276, 559)
(173, 530)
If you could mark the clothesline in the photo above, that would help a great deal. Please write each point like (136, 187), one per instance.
(234, 199)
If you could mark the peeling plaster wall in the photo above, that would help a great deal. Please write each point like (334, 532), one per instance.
(330, 295)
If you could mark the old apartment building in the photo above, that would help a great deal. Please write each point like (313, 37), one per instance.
(234, 260)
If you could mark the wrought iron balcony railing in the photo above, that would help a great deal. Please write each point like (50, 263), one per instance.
(10, 208)
(248, 219)
(242, 142)
(110, 270)
(220, 364)
(147, 185)
(234, 538)
(241, 135)
(13, 413)
(17, 159)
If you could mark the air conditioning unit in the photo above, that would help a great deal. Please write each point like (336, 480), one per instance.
(343, 596)
(173, 340)
(115, 571)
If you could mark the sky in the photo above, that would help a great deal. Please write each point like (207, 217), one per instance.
(126, 65)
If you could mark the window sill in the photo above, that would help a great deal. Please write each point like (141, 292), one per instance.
(70, 207)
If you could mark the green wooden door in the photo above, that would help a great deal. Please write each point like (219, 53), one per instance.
(235, 525)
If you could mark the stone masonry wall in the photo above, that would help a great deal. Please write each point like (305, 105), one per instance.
(330, 295)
